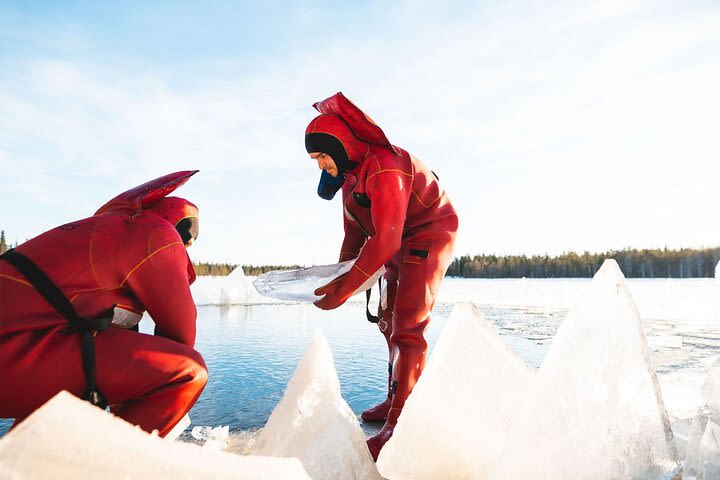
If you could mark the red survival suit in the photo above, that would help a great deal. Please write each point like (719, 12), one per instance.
(128, 254)
(397, 215)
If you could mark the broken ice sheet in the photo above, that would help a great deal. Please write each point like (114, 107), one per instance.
(300, 285)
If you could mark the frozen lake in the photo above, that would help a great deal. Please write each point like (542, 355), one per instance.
(252, 350)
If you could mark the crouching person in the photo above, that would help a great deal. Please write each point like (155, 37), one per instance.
(60, 291)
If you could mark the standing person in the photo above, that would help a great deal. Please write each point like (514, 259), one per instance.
(58, 294)
(396, 214)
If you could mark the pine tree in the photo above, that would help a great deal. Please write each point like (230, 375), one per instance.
(3, 245)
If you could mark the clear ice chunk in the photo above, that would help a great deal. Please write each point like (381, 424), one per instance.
(313, 423)
(68, 438)
(595, 410)
(300, 285)
(455, 421)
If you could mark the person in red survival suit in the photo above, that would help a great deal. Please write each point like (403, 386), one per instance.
(396, 215)
(131, 255)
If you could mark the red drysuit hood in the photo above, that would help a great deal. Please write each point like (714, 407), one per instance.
(142, 196)
(174, 209)
(363, 127)
(332, 125)
(345, 121)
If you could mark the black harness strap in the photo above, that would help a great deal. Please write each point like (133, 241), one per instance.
(86, 327)
(372, 318)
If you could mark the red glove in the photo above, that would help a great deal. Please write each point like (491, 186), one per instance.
(335, 293)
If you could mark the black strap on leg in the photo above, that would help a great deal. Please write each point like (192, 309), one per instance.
(86, 327)
(373, 318)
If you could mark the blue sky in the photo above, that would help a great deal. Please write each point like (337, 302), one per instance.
(574, 126)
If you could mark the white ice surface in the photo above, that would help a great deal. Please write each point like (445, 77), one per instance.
(595, 410)
(68, 438)
(299, 285)
(455, 422)
(313, 423)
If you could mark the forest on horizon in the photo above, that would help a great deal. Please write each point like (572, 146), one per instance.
(634, 263)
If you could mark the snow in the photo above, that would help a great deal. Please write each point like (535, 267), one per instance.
(299, 285)
(68, 438)
(312, 422)
(460, 411)
(594, 410)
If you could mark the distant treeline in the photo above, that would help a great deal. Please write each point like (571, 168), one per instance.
(203, 268)
(3, 244)
(656, 263)
(648, 263)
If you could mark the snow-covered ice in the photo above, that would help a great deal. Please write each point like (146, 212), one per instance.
(595, 410)
(455, 422)
(67, 438)
(299, 285)
(312, 422)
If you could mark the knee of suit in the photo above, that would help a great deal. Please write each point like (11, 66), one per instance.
(408, 341)
(194, 370)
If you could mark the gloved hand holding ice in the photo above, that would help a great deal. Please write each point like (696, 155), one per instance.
(300, 285)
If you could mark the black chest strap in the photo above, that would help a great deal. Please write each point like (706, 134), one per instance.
(86, 327)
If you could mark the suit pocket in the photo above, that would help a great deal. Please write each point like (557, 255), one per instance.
(416, 252)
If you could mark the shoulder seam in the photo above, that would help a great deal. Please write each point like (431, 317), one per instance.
(145, 260)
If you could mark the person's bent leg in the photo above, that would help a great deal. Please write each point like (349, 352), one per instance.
(379, 412)
(151, 381)
(419, 280)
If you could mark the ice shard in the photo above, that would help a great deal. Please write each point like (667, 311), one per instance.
(313, 423)
(300, 285)
(455, 421)
(595, 410)
(237, 289)
(68, 438)
(710, 452)
(693, 466)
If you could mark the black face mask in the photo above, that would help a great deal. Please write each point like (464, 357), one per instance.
(187, 228)
(329, 185)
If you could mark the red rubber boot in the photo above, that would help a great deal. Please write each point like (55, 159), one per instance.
(379, 412)
(407, 369)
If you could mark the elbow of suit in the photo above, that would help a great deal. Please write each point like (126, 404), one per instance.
(389, 244)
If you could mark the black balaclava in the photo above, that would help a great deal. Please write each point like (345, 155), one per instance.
(330, 145)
